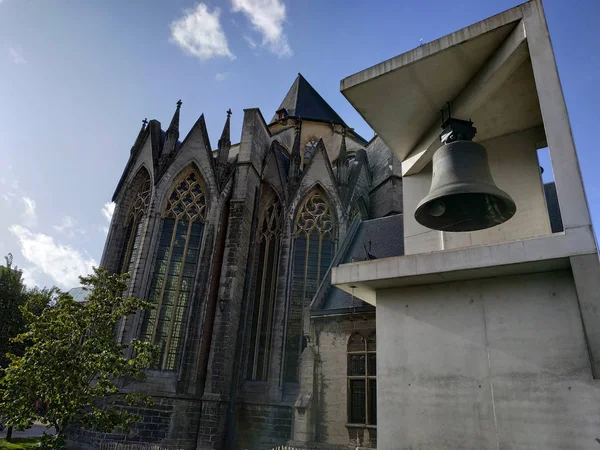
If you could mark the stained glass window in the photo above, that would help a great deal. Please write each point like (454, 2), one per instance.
(175, 267)
(268, 235)
(314, 248)
(362, 382)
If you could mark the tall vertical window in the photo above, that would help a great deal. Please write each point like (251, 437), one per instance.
(309, 149)
(136, 199)
(362, 382)
(175, 267)
(139, 204)
(313, 253)
(267, 240)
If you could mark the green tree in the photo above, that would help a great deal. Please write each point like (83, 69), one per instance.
(68, 373)
(12, 299)
(15, 299)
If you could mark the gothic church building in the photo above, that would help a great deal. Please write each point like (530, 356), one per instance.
(234, 247)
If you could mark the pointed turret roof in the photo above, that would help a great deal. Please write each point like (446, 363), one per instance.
(303, 101)
(342, 162)
(174, 127)
(225, 141)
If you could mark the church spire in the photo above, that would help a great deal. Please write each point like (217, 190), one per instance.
(174, 127)
(172, 133)
(295, 159)
(342, 162)
(225, 141)
(138, 140)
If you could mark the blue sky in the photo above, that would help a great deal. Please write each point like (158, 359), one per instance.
(78, 77)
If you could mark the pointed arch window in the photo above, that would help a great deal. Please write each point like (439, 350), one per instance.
(175, 267)
(265, 282)
(141, 189)
(362, 381)
(314, 247)
(310, 148)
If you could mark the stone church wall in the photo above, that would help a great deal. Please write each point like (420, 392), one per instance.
(167, 417)
(332, 336)
(262, 426)
(206, 402)
(386, 185)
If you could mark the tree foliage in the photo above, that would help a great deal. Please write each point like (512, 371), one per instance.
(69, 372)
(15, 300)
(12, 298)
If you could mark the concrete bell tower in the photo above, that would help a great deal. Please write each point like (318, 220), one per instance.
(486, 339)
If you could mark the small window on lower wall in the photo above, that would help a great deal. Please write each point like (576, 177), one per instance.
(362, 382)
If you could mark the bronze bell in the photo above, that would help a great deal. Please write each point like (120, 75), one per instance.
(463, 195)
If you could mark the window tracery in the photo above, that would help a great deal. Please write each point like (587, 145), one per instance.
(314, 248)
(175, 267)
(141, 187)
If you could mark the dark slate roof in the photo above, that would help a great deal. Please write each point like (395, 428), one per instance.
(302, 100)
(556, 223)
(380, 238)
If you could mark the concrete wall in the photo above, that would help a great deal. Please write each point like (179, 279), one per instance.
(496, 363)
(515, 168)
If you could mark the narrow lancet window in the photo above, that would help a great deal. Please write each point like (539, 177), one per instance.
(141, 190)
(265, 283)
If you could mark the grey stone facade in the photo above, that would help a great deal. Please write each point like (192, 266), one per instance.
(207, 401)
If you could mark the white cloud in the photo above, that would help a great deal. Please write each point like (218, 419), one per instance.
(7, 190)
(250, 42)
(28, 277)
(69, 227)
(200, 34)
(8, 197)
(267, 17)
(29, 216)
(108, 210)
(63, 263)
(16, 57)
(101, 228)
(222, 76)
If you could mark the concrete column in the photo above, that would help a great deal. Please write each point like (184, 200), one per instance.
(569, 184)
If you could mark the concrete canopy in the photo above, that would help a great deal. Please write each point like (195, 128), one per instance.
(486, 76)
